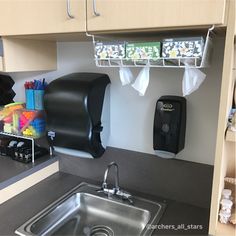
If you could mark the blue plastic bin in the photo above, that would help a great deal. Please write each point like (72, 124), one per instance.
(29, 95)
(38, 99)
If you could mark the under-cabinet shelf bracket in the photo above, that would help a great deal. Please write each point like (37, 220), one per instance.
(183, 62)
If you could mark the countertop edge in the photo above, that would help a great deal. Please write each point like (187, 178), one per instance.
(27, 173)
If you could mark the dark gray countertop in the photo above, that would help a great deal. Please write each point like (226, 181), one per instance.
(12, 171)
(10, 168)
(19, 209)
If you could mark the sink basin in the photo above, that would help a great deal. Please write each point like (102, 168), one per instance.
(86, 212)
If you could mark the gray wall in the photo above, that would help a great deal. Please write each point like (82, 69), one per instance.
(182, 181)
(132, 115)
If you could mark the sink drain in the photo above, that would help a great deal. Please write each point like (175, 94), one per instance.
(101, 230)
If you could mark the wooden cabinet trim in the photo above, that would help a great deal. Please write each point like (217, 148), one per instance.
(220, 164)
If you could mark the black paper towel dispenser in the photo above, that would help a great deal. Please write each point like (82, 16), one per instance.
(74, 106)
(169, 126)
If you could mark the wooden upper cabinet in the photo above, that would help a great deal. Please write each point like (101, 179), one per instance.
(147, 14)
(27, 55)
(23, 17)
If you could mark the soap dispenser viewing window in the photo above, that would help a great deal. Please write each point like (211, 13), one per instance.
(78, 114)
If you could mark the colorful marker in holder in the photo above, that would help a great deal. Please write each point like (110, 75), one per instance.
(34, 91)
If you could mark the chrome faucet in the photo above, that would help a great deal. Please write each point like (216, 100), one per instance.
(105, 185)
(115, 191)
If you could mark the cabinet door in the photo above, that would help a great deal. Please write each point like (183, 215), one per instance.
(23, 17)
(142, 14)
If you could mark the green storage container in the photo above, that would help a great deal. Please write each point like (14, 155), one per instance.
(144, 50)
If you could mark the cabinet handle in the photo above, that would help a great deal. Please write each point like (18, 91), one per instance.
(68, 9)
(95, 9)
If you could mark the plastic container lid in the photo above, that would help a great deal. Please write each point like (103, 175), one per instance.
(224, 214)
(226, 203)
(226, 193)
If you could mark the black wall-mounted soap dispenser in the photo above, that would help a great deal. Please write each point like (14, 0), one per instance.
(75, 106)
(169, 126)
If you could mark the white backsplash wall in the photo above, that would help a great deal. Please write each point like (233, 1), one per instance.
(132, 115)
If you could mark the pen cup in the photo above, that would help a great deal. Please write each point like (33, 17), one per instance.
(38, 99)
(29, 94)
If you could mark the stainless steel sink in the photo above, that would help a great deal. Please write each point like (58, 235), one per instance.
(86, 212)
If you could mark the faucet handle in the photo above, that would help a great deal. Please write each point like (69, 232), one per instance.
(124, 195)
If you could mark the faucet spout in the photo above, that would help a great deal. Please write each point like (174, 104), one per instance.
(105, 185)
(115, 191)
